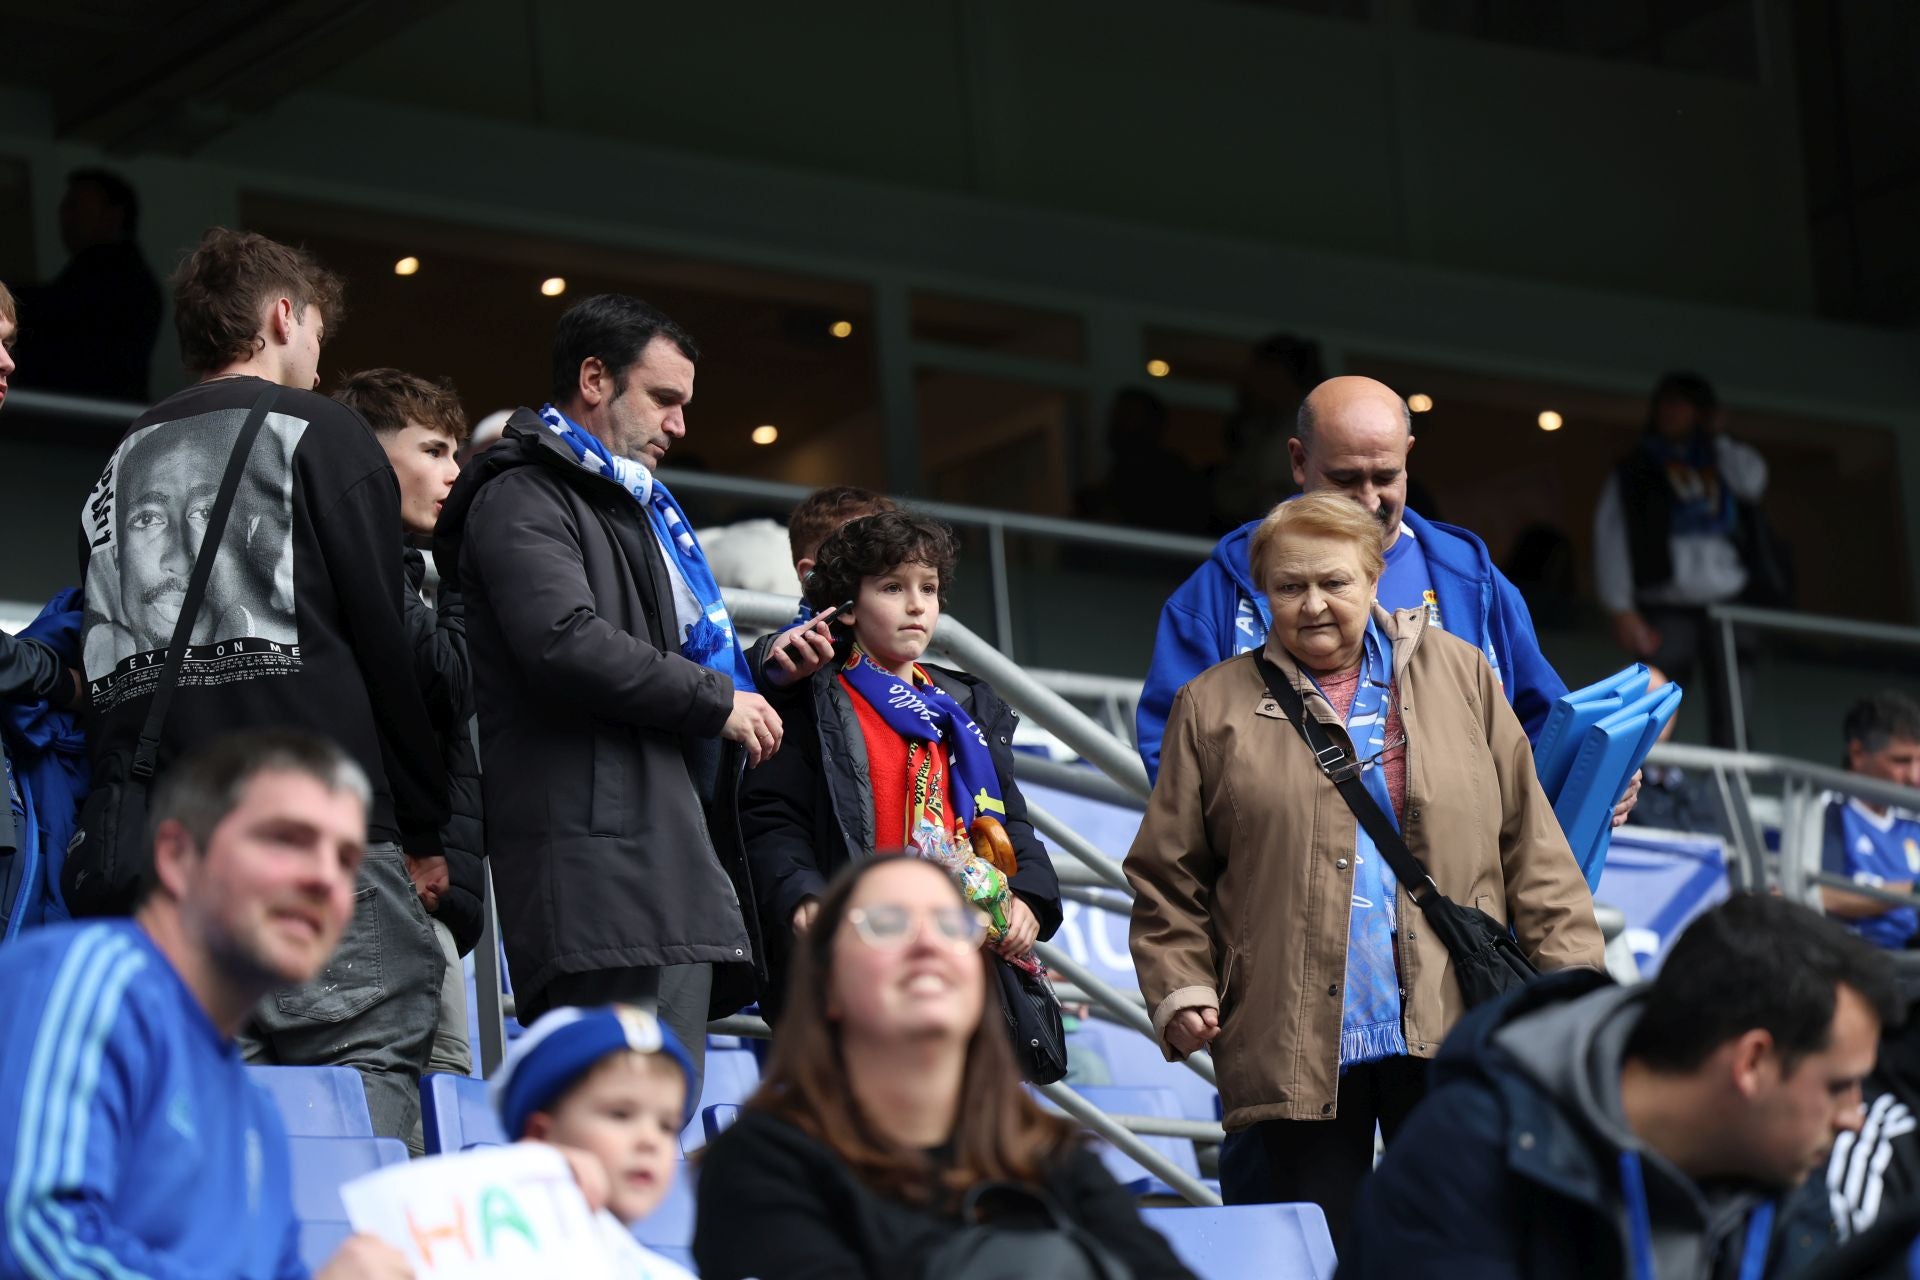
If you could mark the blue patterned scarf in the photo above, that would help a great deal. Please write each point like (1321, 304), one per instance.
(708, 638)
(927, 713)
(1370, 1018)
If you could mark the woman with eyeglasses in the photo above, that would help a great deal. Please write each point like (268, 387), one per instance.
(1266, 926)
(891, 1136)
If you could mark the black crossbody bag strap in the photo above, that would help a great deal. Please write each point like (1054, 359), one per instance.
(147, 753)
(1344, 772)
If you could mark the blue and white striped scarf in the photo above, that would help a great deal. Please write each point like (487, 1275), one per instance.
(707, 639)
(1370, 1017)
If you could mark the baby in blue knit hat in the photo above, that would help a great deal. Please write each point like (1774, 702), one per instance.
(611, 1081)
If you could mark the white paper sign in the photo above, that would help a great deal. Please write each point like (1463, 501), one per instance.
(483, 1215)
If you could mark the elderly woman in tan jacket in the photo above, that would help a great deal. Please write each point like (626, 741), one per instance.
(1265, 925)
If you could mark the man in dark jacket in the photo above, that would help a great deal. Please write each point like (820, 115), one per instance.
(422, 426)
(607, 680)
(1578, 1128)
(301, 628)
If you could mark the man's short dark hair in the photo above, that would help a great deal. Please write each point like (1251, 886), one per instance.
(615, 328)
(221, 288)
(821, 513)
(1758, 961)
(389, 399)
(1875, 721)
(203, 787)
(877, 544)
(117, 192)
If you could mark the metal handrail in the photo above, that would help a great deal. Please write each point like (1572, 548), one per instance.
(1726, 618)
(1107, 1127)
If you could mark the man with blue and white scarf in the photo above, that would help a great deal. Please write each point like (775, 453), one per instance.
(616, 709)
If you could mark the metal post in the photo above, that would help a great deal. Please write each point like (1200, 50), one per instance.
(1736, 701)
(1155, 1163)
(1002, 588)
(487, 984)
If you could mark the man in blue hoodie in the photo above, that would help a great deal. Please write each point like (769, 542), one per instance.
(1353, 435)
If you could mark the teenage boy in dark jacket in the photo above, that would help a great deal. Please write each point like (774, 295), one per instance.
(843, 786)
(1577, 1128)
(301, 628)
(422, 426)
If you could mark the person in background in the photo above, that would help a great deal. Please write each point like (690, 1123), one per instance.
(890, 1098)
(1578, 1128)
(421, 426)
(1353, 436)
(1679, 529)
(1876, 844)
(1148, 484)
(95, 324)
(1266, 923)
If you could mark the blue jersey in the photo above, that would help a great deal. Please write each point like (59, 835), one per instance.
(1874, 848)
(133, 1141)
(1406, 582)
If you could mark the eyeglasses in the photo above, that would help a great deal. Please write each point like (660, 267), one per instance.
(889, 927)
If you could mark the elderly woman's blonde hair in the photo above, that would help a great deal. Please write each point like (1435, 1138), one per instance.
(7, 311)
(1319, 515)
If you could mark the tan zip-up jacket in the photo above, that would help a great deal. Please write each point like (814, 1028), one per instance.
(1243, 874)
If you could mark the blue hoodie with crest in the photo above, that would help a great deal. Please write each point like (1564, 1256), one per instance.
(1218, 613)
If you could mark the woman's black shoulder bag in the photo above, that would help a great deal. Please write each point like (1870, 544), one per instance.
(1034, 1024)
(1486, 960)
(108, 862)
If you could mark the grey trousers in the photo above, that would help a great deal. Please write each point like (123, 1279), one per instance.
(677, 994)
(373, 1008)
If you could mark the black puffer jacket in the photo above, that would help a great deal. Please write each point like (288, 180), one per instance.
(439, 639)
(809, 811)
(603, 777)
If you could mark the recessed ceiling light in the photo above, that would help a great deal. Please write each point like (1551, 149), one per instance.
(841, 328)
(553, 286)
(406, 266)
(1550, 421)
(766, 434)
(1420, 402)
(1158, 368)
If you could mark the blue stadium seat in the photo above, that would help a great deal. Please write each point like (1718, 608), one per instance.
(321, 1165)
(1272, 1241)
(1133, 1060)
(715, 1119)
(455, 1114)
(317, 1102)
(1128, 1172)
(732, 1074)
(669, 1228)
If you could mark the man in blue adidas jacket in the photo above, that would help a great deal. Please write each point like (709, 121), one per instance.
(1354, 435)
(133, 1142)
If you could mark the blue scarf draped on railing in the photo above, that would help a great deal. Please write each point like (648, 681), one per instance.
(927, 713)
(1370, 1017)
(708, 639)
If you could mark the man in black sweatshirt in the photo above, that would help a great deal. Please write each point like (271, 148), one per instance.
(301, 628)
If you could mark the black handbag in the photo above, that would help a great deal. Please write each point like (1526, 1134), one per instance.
(109, 861)
(1034, 1024)
(1014, 1231)
(1487, 962)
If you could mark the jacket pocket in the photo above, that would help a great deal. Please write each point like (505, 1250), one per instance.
(612, 756)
